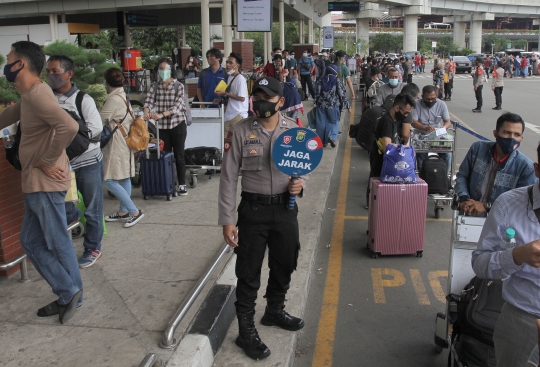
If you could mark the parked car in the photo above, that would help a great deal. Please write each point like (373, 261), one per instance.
(472, 57)
(463, 64)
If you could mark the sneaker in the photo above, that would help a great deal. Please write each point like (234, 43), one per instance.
(332, 143)
(134, 219)
(88, 258)
(183, 192)
(116, 217)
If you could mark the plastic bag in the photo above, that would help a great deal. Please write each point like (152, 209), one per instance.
(399, 165)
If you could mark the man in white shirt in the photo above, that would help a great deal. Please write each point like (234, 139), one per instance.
(236, 93)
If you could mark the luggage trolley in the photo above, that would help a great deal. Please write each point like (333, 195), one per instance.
(206, 129)
(465, 234)
(437, 144)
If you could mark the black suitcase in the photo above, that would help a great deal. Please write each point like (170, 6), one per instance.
(365, 131)
(434, 172)
(203, 156)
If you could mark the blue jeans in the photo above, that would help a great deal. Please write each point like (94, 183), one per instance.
(292, 114)
(47, 243)
(421, 157)
(90, 184)
(327, 120)
(417, 69)
(122, 190)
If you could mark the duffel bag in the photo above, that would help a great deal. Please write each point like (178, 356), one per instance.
(203, 156)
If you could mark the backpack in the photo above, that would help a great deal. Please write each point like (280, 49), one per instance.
(138, 136)
(82, 140)
(434, 172)
(203, 76)
(189, 119)
(12, 154)
(365, 129)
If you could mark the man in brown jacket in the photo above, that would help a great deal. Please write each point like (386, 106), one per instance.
(46, 132)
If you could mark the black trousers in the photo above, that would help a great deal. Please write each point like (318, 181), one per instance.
(409, 78)
(448, 89)
(174, 140)
(306, 79)
(478, 94)
(260, 226)
(498, 96)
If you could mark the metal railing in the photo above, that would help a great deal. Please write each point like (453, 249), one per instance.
(24, 267)
(151, 361)
(168, 341)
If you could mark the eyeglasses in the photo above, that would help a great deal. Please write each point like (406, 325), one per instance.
(430, 99)
(403, 112)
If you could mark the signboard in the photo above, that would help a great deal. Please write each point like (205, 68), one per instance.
(344, 6)
(297, 151)
(140, 20)
(434, 44)
(328, 35)
(254, 16)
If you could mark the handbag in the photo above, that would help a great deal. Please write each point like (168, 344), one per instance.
(398, 165)
(107, 134)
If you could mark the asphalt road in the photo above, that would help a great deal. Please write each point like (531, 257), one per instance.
(381, 312)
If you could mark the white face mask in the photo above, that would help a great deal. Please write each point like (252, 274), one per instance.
(191, 59)
(304, 54)
(232, 71)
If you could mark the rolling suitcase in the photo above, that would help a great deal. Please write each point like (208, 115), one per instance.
(397, 218)
(434, 172)
(158, 173)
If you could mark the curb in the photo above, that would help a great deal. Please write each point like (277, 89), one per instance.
(211, 323)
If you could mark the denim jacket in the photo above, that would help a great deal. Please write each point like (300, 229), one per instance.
(518, 171)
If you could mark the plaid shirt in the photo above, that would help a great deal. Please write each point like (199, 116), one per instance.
(166, 100)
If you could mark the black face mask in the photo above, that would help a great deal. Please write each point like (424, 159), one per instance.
(429, 104)
(400, 116)
(264, 109)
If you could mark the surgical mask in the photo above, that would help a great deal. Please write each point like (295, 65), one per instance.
(55, 80)
(507, 145)
(429, 104)
(164, 74)
(304, 54)
(11, 75)
(264, 109)
(232, 71)
(393, 82)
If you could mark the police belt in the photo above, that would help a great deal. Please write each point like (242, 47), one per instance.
(266, 199)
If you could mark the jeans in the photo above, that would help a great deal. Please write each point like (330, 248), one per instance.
(498, 96)
(121, 189)
(517, 72)
(417, 69)
(47, 243)
(307, 79)
(292, 114)
(90, 184)
(478, 94)
(175, 140)
(327, 120)
(421, 157)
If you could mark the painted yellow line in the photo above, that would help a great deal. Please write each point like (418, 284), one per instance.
(419, 287)
(398, 279)
(365, 217)
(324, 345)
(435, 283)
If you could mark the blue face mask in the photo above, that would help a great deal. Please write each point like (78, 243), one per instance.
(393, 82)
(507, 145)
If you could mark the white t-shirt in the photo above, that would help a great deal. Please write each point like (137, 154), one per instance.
(234, 107)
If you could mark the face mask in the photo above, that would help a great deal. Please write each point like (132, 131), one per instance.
(393, 82)
(55, 80)
(11, 75)
(231, 72)
(191, 60)
(304, 54)
(264, 109)
(164, 74)
(400, 116)
(429, 104)
(507, 145)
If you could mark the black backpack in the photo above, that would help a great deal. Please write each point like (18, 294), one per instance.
(203, 156)
(12, 153)
(82, 140)
(364, 131)
(434, 172)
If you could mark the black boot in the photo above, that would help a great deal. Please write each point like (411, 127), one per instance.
(275, 315)
(249, 339)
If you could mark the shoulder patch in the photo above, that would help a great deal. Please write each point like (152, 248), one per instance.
(227, 145)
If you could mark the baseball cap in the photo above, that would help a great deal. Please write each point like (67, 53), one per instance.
(268, 85)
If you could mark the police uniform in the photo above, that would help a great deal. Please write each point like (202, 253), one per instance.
(263, 218)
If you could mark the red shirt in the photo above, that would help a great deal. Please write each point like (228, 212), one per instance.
(417, 60)
(270, 70)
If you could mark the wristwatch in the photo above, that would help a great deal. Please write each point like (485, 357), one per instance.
(487, 206)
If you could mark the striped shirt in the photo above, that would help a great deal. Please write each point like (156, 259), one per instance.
(511, 210)
(166, 99)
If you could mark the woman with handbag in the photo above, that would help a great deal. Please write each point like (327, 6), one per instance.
(118, 160)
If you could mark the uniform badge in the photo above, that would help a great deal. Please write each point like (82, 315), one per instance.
(229, 135)
(300, 135)
(227, 145)
(287, 139)
(252, 152)
(252, 136)
(267, 114)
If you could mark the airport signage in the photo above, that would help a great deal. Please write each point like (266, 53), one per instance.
(328, 37)
(254, 15)
(344, 6)
(141, 20)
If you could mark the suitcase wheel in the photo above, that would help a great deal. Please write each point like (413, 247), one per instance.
(175, 193)
(419, 253)
(145, 197)
(78, 231)
(169, 197)
(374, 255)
(438, 212)
(193, 180)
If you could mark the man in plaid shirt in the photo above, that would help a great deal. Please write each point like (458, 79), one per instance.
(164, 104)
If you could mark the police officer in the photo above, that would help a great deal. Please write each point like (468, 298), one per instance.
(477, 76)
(263, 218)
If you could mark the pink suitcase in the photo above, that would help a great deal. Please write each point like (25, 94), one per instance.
(397, 218)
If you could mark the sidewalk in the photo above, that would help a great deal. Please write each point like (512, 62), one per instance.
(144, 274)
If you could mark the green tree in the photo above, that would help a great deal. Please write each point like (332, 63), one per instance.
(8, 92)
(384, 42)
(501, 44)
(424, 45)
(2, 60)
(446, 46)
(194, 39)
(464, 52)
(520, 43)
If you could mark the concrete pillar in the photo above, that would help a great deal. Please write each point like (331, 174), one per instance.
(362, 29)
(282, 24)
(310, 30)
(270, 45)
(226, 20)
(475, 36)
(53, 21)
(459, 34)
(205, 30)
(235, 20)
(410, 33)
(301, 38)
(183, 35)
(265, 49)
(63, 18)
(127, 34)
